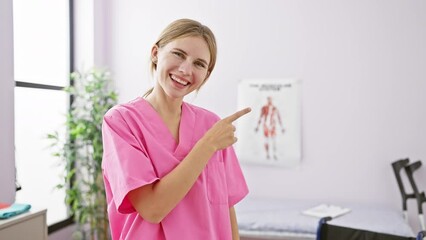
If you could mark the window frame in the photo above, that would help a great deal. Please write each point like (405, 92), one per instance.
(70, 220)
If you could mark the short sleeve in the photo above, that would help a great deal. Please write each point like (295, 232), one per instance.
(125, 163)
(237, 186)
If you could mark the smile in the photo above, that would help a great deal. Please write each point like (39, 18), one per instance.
(178, 80)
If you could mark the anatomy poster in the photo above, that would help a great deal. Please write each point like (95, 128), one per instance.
(271, 133)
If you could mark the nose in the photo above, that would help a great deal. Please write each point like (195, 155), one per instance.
(186, 67)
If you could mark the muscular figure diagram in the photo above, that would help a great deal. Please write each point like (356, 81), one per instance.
(270, 115)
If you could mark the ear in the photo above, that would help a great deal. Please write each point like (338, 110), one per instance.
(154, 54)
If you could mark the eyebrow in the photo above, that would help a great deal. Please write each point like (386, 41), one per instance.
(199, 59)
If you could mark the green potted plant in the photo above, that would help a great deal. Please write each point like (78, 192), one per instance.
(81, 152)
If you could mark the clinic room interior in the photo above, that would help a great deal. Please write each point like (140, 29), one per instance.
(347, 77)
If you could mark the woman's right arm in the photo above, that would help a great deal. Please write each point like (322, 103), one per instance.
(154, 201)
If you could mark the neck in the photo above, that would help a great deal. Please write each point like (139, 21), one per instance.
(163, 104)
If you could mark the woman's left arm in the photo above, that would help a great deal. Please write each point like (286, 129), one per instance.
(234, 224)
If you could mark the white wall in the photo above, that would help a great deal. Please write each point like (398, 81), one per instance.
(7, 83)
(362, 64)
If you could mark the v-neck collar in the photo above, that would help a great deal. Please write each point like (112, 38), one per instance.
(186, 124)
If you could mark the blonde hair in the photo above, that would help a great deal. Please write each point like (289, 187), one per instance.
(187, 28)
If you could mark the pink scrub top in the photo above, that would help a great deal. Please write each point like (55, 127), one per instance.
(139, 149)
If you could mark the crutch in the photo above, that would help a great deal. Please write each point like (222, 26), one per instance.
(420, 196)
(397, 167)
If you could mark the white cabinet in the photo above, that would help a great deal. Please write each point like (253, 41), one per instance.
(30, 225)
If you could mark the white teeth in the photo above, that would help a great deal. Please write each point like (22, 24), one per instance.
(179, 80)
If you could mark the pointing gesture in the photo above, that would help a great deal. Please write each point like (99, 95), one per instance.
(221, 135)
(235, 116)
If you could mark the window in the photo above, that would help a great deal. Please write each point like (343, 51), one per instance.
(42, 63)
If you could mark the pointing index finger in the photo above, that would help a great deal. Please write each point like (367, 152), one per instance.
(237, 115)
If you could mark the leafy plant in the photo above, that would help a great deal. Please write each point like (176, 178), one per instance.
(81, 151)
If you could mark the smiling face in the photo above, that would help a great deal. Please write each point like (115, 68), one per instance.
(182, 65)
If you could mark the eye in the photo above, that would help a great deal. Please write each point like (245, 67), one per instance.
(178, 54)
(200, 64)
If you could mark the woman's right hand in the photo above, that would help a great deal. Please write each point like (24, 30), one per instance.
(222, 134)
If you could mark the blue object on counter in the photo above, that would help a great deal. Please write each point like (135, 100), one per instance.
(13, 210)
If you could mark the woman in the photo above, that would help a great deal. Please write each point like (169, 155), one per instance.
(169, 168)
